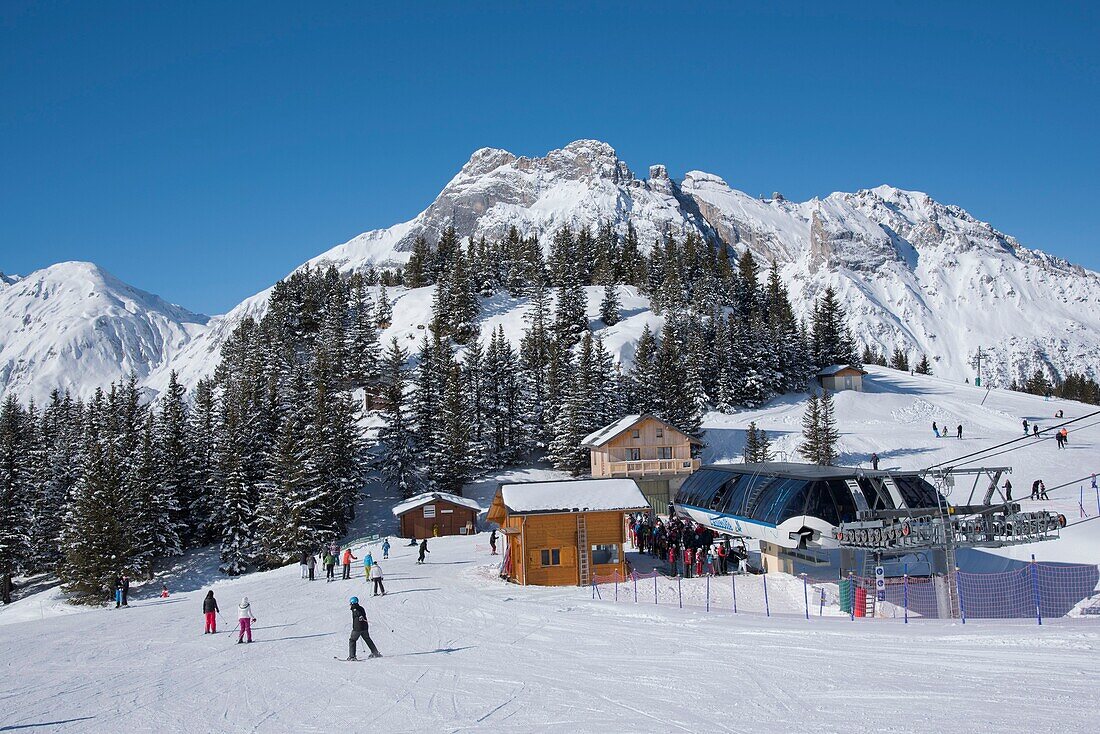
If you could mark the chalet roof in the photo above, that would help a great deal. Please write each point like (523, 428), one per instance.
(837, 368)
(603, 435)
(428, 497)
(578, 495)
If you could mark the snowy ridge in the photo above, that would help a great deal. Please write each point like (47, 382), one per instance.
(911, 272)
(74, 326)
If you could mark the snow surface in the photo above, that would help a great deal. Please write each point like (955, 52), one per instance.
(467, 651)
(573, 495)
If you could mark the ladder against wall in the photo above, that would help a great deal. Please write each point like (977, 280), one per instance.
(582, 551)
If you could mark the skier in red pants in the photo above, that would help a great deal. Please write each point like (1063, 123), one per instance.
(210, 611)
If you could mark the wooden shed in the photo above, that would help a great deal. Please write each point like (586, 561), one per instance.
(436, 513)
(838, 377)
(560, 533)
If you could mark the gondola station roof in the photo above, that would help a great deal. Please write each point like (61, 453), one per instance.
(578, 495)
(430, 497)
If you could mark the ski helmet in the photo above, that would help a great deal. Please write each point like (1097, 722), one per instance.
(354, 600)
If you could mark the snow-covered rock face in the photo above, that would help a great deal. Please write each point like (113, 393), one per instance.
(74, 326)
(912, 273)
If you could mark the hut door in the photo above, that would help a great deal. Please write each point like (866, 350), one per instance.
(848, 382)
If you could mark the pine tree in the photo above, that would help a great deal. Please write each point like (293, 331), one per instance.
(610, 308)
(828, 433)
(923, 367)
(383, 310)
(810, 448)
(899, 360)
(362, 338)
(751, 452)
(14, 493)
(396, 462)
(832, 341)
(173, 462)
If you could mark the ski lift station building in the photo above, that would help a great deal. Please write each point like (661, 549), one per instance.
(434, 514)
(559, 533)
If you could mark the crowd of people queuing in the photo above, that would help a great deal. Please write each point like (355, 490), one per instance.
(688, 548)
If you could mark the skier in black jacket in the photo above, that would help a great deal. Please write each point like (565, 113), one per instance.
(360, 629)
(423, 550)
(209, 612)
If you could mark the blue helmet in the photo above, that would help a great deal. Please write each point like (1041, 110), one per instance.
(354, 600)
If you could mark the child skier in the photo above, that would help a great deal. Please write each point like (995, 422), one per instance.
(330, 567)
(245, 619)
(118, 595)
(348, 558)
(385, 549)
(210, 611)
(376, 577)
(360, 629)
(368, 561)
(164, 591)
(423, 550)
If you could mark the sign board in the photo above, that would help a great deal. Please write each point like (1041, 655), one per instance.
(880, 583)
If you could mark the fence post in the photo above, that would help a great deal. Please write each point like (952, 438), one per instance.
(708, 593)
(767, 609)
(733, 582)
(805, 595)
(680, 592)
(634, 574)
(654, 589)
(1035, 589)
(616, 587)
(851, 598)
(905, 581)
(821, 609)
(959, 593)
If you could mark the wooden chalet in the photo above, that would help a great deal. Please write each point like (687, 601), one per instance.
(433, 514)
(561, 533)
(657, 454)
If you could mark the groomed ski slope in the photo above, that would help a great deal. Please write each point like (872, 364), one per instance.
(468, 652)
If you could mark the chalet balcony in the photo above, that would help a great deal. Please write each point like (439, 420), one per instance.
(651, 467)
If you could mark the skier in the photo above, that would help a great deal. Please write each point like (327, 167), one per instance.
(330, 567)
(412, 543)
(376, 577)
(210, 611)
(1065, 436)
(1035, 430)
(348, 558)
(722, 559)
(874, 461)
(493, 542)
(245, 620)
(385, 549)
(164, 591)
(935, 429)
(368, 560)
(360, 629)
(311, 563)
(1043, 490)
(1025, 426)
(671, 510)
(423, 550)
(125, 590)
(118, 595)
(303, 564)
(1035, 489)
(959, 431)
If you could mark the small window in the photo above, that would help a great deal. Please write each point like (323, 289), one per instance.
(633, 454)
(605, 554)
(664, 452)
(660, 433)
(551, 557)
(635, 434)
(429, 510)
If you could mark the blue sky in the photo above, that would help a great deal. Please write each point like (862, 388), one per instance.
(202, 150)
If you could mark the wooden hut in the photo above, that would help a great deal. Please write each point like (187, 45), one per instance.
(838, 377)
(560, 533)
(436, 513)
